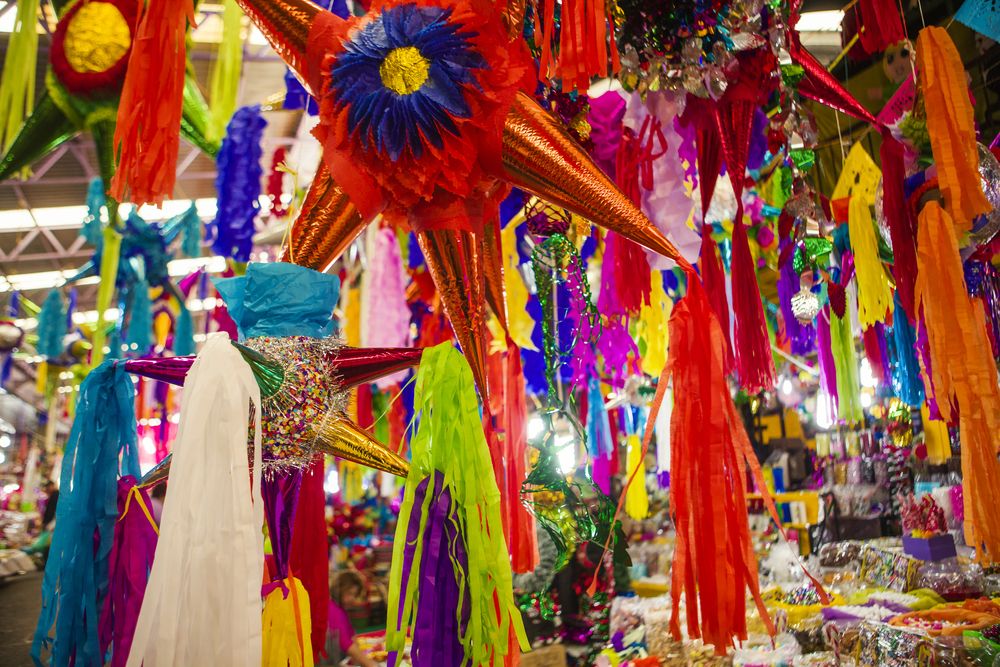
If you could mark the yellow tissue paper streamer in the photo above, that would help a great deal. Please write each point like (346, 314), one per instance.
(287, 627)
(874, 293)
(636, 499)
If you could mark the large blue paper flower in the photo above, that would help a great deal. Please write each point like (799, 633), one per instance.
(401, 78)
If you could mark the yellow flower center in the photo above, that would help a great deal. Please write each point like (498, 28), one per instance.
(404, 70)
(96, 38)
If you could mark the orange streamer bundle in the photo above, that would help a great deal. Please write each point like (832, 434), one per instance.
(951, 126)
(583, 43)
(714, 562)
(963, 372)
(149, 114)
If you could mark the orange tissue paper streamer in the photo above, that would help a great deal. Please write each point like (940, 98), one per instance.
(149, 112)
(951, 126)
(963, 372)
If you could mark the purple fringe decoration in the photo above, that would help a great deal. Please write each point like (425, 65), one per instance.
(758, 140)
(281, 497)
(827, 369)
(437, 632)
(801, 336)
(238, 185)
(131, 559)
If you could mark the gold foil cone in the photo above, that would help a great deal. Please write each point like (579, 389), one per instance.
(285, 24)
(326, 225)
(492, 254)
(339, 436)
(455, 264)
(336, 435)
(541, 157)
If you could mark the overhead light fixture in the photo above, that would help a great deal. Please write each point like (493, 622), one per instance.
(42, 280)
(822, 21)
(71, 217)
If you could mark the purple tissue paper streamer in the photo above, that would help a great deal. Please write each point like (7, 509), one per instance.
(758, 140)
(801, 336)
(827, 369)
(281, 497)
(440, 621)
(131, 559)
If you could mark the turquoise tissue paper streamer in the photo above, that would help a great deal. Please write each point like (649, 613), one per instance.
(281, 299)
(102, 445)
(140, 324)
(184, 333)
(51, 326)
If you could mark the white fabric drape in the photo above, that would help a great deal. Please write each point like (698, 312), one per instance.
(202, 605)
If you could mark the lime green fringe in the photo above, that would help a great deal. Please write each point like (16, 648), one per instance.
(226, 71)
(450, 440)
(17, 83)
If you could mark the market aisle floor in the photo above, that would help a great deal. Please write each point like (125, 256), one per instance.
(20, 600)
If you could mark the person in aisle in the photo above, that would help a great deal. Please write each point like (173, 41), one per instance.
(51, 502)
(39, 549)
(345, 594)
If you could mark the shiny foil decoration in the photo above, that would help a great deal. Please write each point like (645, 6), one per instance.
(285, 25)
(805, 306)
(456, 265)
(985, 227)
(304, 382)
(492, 255)
(302, 398)
(339, 436)
(326, 225)
(46, 128)
(541, 157)
(352, 365)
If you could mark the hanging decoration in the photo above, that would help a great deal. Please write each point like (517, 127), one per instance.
(963, 371)
(102, 444)
(130, 561)
(468, 615)
(223, 573)
(238, 183)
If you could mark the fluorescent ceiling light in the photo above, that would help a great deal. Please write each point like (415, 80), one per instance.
(71, 217)
(48, 279)
(823, 21)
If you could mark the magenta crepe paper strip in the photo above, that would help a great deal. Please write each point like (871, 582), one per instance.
(130, 561)
(827, 368)
(605, 118)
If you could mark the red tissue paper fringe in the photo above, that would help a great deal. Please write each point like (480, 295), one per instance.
(309, 551)
(881, 25)
(754, 363)
(149, 112)
(509, 450)
(584, 46)
(713, 276)
(902, 229)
